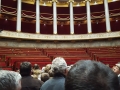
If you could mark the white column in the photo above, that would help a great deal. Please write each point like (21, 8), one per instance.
(19, 5)
(54, 17)
(71, 18)
(37, 17)
(108, 28)
(89, 28)
(0, 6)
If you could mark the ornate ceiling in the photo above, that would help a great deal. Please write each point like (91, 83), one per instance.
(65, 3)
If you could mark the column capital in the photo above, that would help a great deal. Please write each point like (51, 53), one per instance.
(71, 1)
(54, 1)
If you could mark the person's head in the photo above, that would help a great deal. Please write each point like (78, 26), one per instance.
(10, 80)
(51, 74)
(36, 66)
(91, 75)
(47, 68)
(116, 68)
(68, 68)
(45, 77)
(25, 68)
(59, 66)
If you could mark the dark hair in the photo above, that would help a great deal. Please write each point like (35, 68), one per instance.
(51, 74)
(45, 77)
(57, 73)
(25, 68)
(36, 66)
(91, 75)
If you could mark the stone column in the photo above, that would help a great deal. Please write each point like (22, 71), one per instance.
(71, 17)
(54, 17)
(37, 16)
(89, 28)
(19, 5)
(108, 28)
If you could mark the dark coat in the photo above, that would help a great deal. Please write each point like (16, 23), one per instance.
(29, 83)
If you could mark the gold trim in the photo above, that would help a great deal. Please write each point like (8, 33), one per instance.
(71, 1)
(60, 14)
(54, 1)
(48, 2)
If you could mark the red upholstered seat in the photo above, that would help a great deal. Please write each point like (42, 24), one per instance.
(2, 64)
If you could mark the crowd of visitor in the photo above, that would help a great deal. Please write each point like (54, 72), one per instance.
(83, 75)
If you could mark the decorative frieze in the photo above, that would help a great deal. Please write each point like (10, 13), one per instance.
(10, 34)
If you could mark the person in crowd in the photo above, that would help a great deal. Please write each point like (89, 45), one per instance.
(43, 70)
(91, 75)
(59, 68)
(45, 77)
(10, 80)
(51, 74)
(47, 68)
(17, 70)
(116, 69)
(36, 71)
(27, 81)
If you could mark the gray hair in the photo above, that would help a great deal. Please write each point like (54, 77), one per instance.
(58, 65)
(9, 80)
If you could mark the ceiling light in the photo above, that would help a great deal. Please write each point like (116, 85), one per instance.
(78, 4)
(78, 23)
(6, 19)
(44, 24)
(44, 4)
(61, 25)
(116, 20)
(95, 3)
